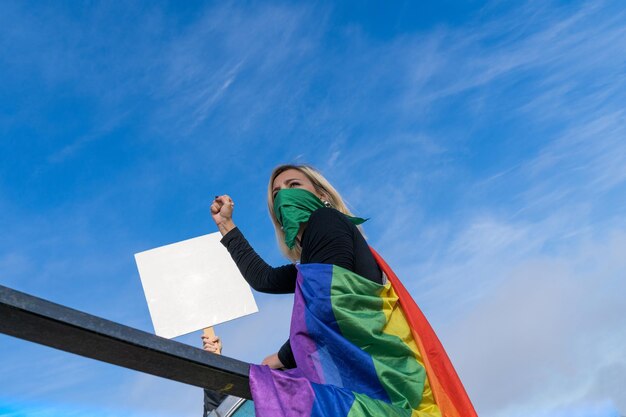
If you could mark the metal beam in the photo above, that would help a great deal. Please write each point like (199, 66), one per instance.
(40, 321)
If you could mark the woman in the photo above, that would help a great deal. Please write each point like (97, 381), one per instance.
(352, 349)
(327, 237)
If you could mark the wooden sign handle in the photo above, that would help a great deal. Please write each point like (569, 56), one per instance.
(210, 332)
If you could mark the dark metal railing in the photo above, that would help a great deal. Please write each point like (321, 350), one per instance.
(40, 321)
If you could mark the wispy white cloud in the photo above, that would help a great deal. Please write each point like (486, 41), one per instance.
(97, 133)
(551, 329)
(586, 159)
(260, 50)
(206, 103)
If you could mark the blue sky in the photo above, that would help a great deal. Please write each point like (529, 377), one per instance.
(485, 140)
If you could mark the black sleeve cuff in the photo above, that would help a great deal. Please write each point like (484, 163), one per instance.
(285, 355)
(230, 236)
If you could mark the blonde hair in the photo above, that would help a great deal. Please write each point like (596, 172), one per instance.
(321, 185)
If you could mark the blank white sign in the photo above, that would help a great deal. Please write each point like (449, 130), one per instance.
(191, 285)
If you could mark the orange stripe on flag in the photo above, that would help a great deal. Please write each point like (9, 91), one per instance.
(447, 388)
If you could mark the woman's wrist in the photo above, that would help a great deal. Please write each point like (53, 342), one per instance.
(226, 226)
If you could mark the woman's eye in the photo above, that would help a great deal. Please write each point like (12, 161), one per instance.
(294, 184)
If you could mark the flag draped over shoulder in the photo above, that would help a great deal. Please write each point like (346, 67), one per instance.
(363, 350)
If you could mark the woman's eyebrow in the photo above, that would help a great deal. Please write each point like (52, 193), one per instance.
(286, 182)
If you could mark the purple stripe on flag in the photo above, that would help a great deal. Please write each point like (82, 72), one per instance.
(280, 393)
(301, 342)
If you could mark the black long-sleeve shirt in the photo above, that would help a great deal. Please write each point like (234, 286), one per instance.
(329, 238)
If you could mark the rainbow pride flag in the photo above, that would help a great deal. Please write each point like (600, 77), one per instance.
(362, 350)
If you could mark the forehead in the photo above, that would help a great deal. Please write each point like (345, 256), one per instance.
(287, 175)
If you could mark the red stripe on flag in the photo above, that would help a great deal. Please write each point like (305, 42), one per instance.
(447, 388)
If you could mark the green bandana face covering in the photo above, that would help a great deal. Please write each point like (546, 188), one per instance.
(293, 207)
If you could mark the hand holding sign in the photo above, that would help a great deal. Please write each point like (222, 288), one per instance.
(211, 342)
